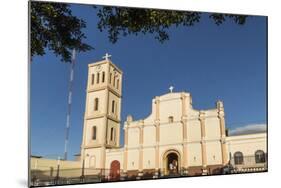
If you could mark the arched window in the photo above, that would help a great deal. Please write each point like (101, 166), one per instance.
(110, 77)
(103, 76)
(260, 156)
(96, 105)
(238, 158)
(171, 119)
(94, 136)
(98, 78)
(93, 79)
(111, 133)
(113, 106)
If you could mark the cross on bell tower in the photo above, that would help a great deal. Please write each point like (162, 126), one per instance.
(171, 89)
(106, 56)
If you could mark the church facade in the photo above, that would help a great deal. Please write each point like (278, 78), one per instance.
(175, 139)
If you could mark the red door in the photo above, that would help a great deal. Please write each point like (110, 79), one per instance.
(115, 170)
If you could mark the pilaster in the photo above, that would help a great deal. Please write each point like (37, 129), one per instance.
(141, 151)
(184, 129)
(125, 160)
(223, 143)
(157, 124)
(203, 141)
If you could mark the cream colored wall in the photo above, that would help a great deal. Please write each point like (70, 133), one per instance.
(194, 154)
(214, 154)
(212, 128)
(247, 144)
(171, 133)
(192, 113)
(133, 137)
(149, 135)
(149, 158)
(150, 119)
(48, 168)
(47, 164)
(93, 157)
(193, 130)
(170, 105)
(133, 159)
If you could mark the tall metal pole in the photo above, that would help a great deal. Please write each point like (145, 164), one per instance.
(69, 103)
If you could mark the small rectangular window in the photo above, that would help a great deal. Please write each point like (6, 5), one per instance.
(171, 119)
(113, 81)
(111, 133)
(98, 78)
(93, 79)
(96, 104)
(113, 106)
(94, 133)
(117, 84)
(103, 77)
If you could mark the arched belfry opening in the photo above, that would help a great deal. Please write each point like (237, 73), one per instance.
(171, 163)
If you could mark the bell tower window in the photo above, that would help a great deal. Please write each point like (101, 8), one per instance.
(98, 78)
(96, 105)
(113, 81)
(93, 79)
(111, 133)
(94, 136)
(103, 77)
(113, 106)
(117, 83)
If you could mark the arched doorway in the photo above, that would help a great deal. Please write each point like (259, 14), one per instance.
(114, 170)
(171, 162)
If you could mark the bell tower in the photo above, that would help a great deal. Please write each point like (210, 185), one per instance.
(102, 112)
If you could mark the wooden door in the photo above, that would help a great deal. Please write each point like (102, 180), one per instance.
(115, 170)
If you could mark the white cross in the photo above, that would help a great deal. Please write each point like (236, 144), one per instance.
(106, 57)
(171, 88)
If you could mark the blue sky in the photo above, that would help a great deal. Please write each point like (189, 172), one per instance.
(226, 62)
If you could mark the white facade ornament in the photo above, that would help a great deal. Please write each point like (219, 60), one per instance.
(171, 89)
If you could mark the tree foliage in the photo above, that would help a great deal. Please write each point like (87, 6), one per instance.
(118, 21)
(54, 27)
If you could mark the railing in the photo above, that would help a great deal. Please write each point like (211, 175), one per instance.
(88, 175)
(67, 176)
(248, 164)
